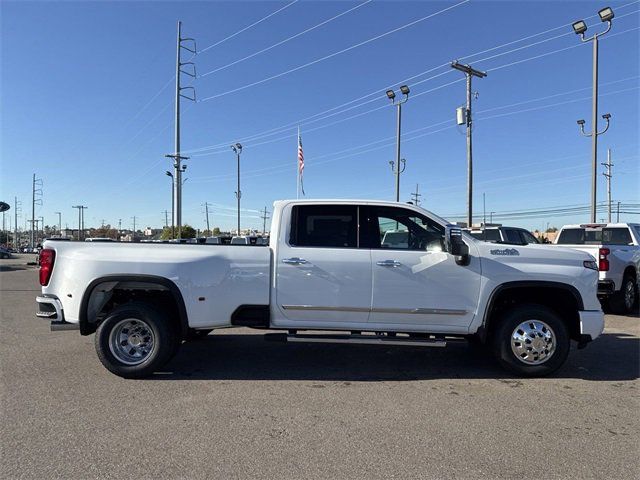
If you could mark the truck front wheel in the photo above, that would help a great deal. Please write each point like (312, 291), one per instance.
(135, 340)
(531, 340)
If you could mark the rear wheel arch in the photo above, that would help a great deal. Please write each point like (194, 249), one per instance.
(562, 298)
(149, 287)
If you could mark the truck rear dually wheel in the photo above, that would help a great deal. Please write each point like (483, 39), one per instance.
(531, 340)
(135, 340)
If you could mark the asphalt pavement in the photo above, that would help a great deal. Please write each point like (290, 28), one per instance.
(235, 406)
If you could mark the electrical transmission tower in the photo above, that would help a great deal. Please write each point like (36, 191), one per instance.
(264, 217)
(608, 174)
(415, 197)
(36, 199)
(178, 169)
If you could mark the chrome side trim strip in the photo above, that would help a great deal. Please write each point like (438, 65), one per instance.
(326, 309)
(413, 311)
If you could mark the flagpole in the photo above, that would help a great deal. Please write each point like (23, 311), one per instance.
(298, 165)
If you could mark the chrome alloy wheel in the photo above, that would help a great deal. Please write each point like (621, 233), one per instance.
(131, 341)
(629, 294)
(533, 342)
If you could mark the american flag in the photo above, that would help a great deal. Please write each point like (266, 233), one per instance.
(300, 162)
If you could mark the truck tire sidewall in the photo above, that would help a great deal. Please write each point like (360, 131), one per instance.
(164, 339)
(617, 300)
(508, 323)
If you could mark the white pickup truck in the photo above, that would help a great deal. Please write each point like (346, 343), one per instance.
(327, 269)
(616, 246)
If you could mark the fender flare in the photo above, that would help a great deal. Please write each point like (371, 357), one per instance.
(483, 329)
(87, 328)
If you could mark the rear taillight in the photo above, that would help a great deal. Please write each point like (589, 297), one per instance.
(47, 257)
(603, 261)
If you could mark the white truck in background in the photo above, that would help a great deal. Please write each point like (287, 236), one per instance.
(616, 247)
(331, 266)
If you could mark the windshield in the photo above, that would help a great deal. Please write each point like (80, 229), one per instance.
(604, 236)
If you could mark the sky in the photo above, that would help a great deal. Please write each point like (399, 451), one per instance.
(87, 93)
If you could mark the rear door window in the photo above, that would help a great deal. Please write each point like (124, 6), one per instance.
(512, 236)
(333, 226)
(616, 236)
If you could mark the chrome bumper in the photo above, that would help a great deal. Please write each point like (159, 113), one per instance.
(591, 323)
(50, 307)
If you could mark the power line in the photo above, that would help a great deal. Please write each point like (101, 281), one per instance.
(326, 57)
(247, 27)
(266, 49)
(308, 120)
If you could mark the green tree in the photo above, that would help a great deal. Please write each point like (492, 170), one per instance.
(216, 231)
(187, 232)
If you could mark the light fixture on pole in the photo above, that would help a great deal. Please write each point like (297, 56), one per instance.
(580, 27)
(237, 148)
(404, 89)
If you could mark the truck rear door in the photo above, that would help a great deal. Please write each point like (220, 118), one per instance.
(322, 277)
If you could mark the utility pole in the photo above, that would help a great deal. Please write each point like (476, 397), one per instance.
(134, 227)
(391, 95)
(81, 209)
(36, 199)
(15, 223)
(580, 27)
(166, 219)
(618, 216)
(415, 197)
(59, 222)
(206, 210)
(177, 158)
(484, 209)
(237, 149)
(608, 174)
(469, 73)
(264, 217)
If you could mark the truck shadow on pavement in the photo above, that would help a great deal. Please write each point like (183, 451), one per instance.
(613, 357)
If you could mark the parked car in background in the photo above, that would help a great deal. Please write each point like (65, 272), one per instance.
(500, 234)
(616, 247)
(247, 240)
(5, 253)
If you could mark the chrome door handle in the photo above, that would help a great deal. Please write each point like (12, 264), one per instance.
(388, 263)
(294, 261)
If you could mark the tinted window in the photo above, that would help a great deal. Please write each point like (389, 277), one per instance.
(488, 235)
(401, 229)
(324, 226)
(616, 236)
(512, 236)
(527, 237)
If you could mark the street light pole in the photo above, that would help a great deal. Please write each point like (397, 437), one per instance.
(580, 27)
(237, 148)
(398, 170)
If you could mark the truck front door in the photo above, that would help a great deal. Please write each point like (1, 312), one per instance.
(415, 282)
(322, 277)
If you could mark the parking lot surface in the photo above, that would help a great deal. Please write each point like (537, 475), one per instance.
(234, 406)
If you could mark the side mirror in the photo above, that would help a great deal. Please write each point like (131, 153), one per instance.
(455, 245)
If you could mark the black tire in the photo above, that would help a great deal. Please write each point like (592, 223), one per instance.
(155, 323)
(620, 302)
(507, 326)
